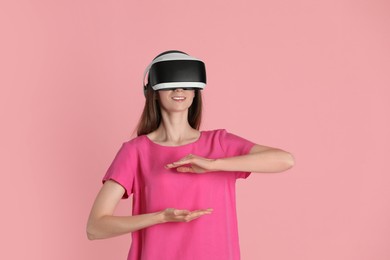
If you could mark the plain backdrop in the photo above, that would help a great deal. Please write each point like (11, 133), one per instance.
(310, 77)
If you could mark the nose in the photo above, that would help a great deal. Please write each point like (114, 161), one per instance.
(178, 89)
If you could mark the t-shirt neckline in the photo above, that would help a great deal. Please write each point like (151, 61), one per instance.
(175, 146)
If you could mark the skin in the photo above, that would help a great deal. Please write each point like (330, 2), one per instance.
(174, 131)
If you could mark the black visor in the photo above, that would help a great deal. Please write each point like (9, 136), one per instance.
(176, 70)
(177, 73)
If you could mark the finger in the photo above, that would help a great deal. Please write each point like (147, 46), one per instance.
(170, 165)
(201, 212)
(184, 169)
(180, 212)
(185, 158)
(207, 211)
(178, 163)
(197, 214)
(183, 161)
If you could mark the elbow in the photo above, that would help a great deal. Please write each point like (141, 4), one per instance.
(281, 161)
(289, 161)
(90, 236)
(285, 161)
(92, 232)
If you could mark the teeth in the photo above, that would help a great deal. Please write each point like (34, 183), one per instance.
(178, 98)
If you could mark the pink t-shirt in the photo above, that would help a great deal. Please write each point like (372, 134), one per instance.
(139, 168)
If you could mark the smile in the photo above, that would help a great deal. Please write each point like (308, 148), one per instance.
(177, 98)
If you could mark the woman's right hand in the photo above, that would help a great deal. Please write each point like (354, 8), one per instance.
(103, 224)
(182, 215)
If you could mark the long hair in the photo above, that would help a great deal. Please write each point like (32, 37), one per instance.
(151, 115)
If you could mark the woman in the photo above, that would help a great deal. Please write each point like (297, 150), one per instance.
(182, 179)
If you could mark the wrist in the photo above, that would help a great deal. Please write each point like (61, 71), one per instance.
(160, 217)
(217, 165)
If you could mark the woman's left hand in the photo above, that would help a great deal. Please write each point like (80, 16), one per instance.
(193, 163)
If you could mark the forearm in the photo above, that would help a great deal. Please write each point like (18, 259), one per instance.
(110, 226)
(273, 160)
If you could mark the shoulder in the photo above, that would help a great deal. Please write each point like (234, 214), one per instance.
(212, 136)
(215, 136)
(135, 140)
(231, 144)
(214, 132)
(226, 138)
(220, 134)
(135, 143)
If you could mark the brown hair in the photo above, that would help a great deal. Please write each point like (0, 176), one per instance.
(151, 116)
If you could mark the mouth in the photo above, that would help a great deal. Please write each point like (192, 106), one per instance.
(179, 98)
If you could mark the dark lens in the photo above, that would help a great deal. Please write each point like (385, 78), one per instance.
(176, 88)
(165, 89)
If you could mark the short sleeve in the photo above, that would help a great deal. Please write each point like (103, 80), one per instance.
(121, 170)
(234, 145)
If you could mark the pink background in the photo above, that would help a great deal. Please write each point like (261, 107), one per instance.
(311, 77)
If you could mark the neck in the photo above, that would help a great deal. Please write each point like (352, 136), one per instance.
(174, 128)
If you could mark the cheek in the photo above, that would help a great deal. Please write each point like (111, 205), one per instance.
(162, 96)
(192, 94)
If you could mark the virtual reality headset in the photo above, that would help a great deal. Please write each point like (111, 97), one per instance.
(173, 70)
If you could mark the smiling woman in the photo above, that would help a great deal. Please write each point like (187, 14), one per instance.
(177, 173)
